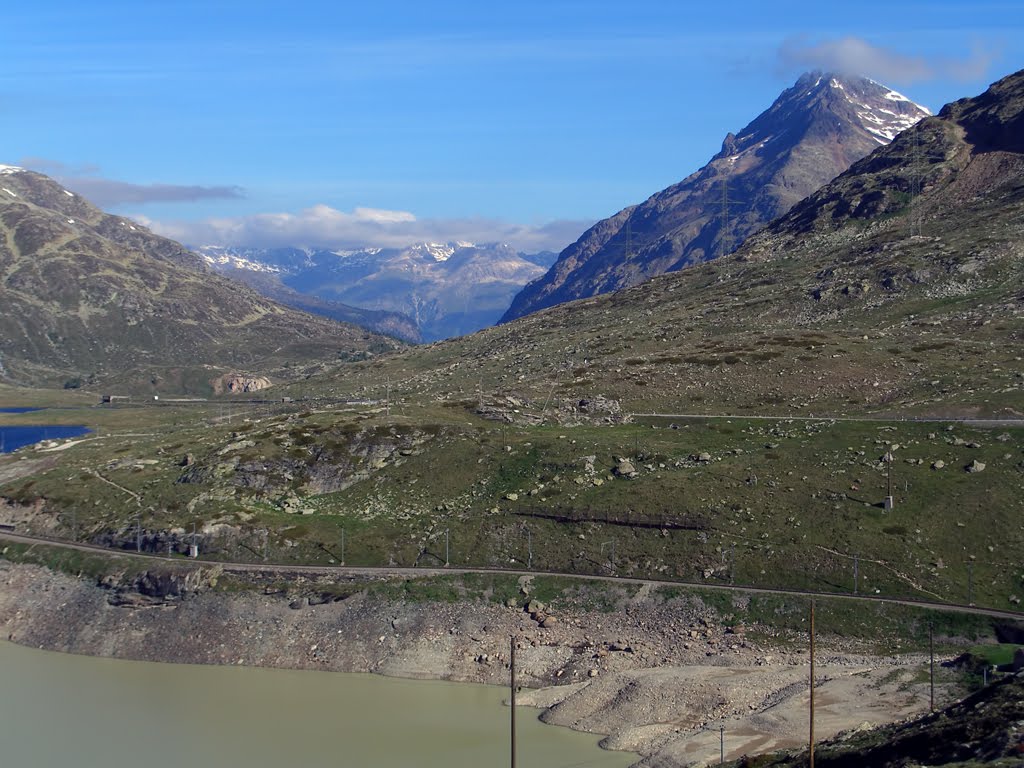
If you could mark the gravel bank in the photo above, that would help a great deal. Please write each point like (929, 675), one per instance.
(658, 677)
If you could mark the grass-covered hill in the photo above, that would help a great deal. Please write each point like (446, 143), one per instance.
(894, 289)
(89, 297)
(892, 296)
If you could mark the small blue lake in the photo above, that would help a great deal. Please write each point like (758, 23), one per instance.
(19, 410)
(13, 438)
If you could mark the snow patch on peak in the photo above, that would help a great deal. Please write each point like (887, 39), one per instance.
(5, 169)
(237, 262)
(896, 96)
(344, 254)
(437, 251)
(836, 84)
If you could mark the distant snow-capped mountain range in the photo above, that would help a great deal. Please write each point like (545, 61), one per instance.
(446, 289)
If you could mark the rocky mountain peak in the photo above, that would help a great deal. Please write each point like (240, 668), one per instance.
(77, 217)
(821, 104)
(811, 133)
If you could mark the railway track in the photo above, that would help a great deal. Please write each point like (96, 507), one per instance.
(415, 572)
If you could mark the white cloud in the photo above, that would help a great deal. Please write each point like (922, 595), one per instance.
(381, 216)
(322, 226)
(86, 181)
(854, 55)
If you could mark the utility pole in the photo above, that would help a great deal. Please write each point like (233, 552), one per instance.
(138, 531)
(888, 504)
(611, 562)
(529, 549)
(856, 575)
(725, 239)
(721, 745)
(915, 186)
(512, 689)
(931, 664)
(446, 561)
(387, 399)
(342, 546)
(732, 563)
(970, 582)
(811, 740)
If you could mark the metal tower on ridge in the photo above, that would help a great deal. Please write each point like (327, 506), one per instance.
(724, 233)
(916, 185)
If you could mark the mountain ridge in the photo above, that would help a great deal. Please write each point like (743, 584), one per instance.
(92, 296)
(442, 289)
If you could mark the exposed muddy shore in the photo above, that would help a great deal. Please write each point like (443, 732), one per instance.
(659, 677)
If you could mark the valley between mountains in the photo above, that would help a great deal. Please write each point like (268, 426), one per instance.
(833, 406)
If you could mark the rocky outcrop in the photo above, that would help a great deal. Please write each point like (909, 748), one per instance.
(237, 383)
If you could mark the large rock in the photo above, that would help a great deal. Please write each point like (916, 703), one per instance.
(238, 383)
(625, 468)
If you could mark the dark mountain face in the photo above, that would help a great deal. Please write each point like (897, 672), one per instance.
(942, 170)
(89, 295)
(812, 132)
(439, 289)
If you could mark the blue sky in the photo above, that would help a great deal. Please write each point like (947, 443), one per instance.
(344, 124)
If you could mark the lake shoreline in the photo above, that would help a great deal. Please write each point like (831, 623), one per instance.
(586, 669)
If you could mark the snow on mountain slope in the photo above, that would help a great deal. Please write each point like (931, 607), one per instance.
(812, 132)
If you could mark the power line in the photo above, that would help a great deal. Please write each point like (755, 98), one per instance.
(915, 186)
(725, 231)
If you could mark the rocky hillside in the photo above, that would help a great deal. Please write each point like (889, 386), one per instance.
(895, 288)
(812, 132)
(440, 289)
(90, 297)
(984, 729)
(271, 285)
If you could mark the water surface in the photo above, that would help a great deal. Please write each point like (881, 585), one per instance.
(13, 438)
(57, 709)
